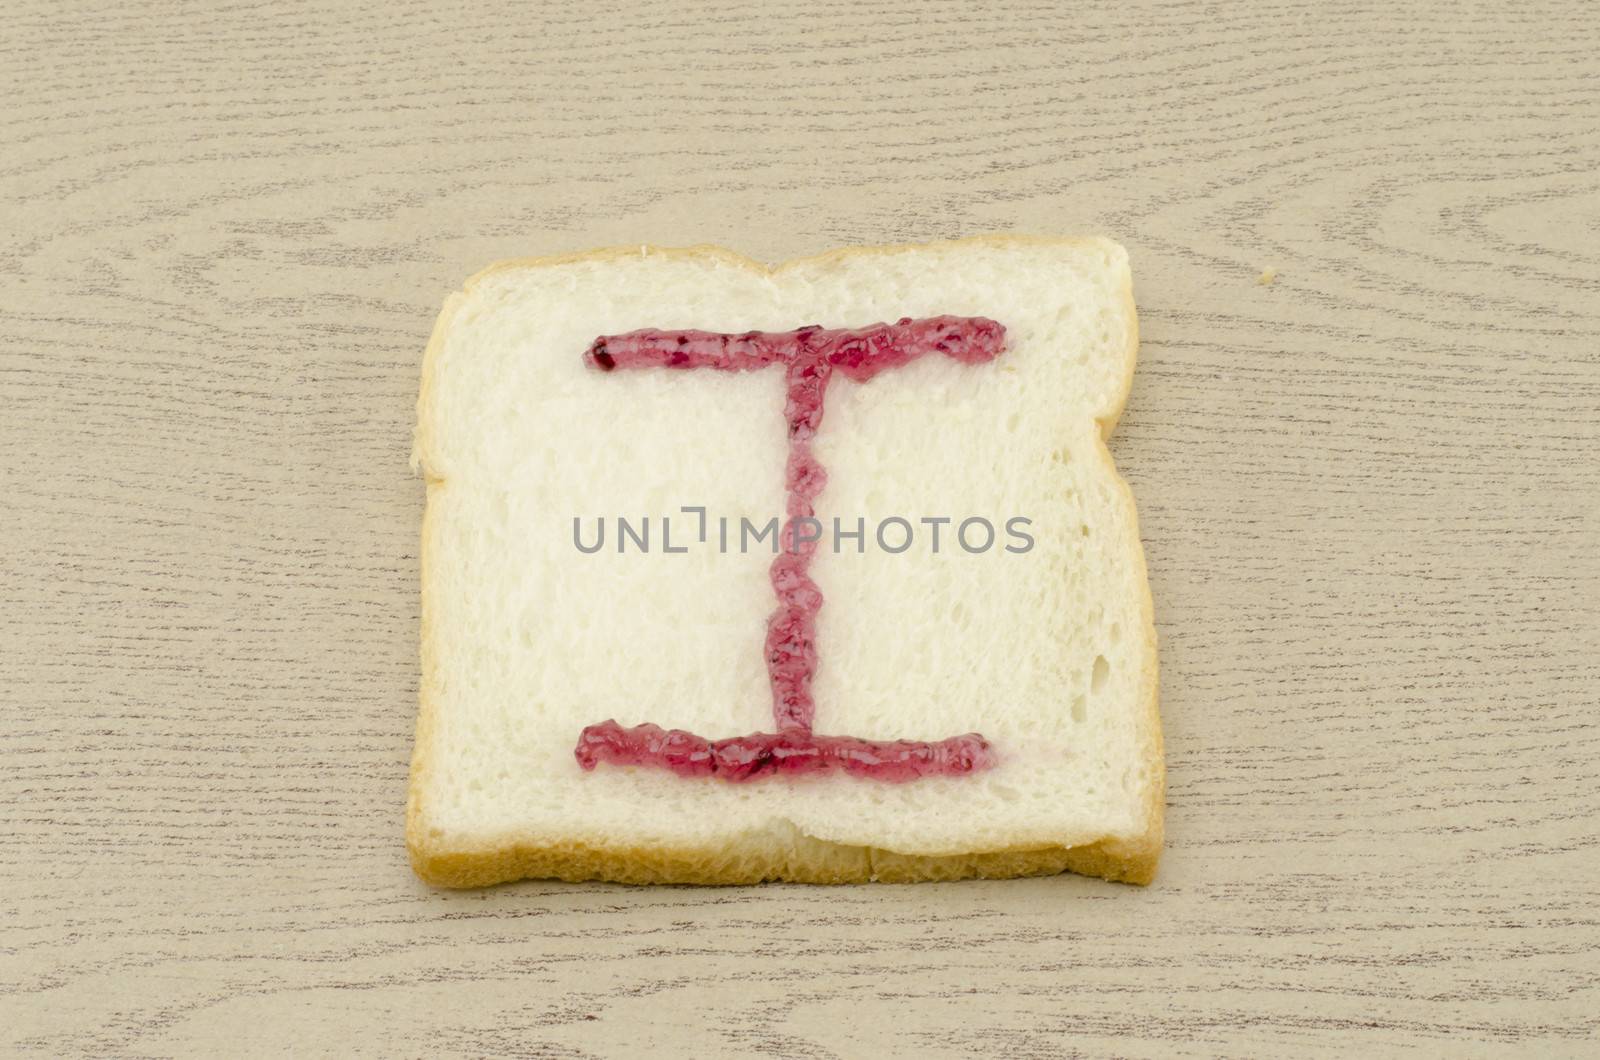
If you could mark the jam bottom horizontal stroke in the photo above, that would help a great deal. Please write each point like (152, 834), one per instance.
(794, 753)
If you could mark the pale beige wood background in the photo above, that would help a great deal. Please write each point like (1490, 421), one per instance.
(1369, 495)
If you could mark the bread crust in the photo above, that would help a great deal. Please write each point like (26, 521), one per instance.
(804, 859)
(810, 861)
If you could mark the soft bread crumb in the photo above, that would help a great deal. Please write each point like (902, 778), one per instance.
(1268, 274)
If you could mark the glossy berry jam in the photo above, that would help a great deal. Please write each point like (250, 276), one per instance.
(809, 357)
(795, 751)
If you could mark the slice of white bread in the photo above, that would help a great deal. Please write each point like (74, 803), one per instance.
(1050, 653)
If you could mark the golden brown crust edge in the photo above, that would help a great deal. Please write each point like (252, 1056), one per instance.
(1127, 860)
(813, 861)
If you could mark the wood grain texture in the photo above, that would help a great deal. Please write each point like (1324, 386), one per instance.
(1370, 495)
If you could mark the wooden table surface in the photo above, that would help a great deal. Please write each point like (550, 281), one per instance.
(1370, 495)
